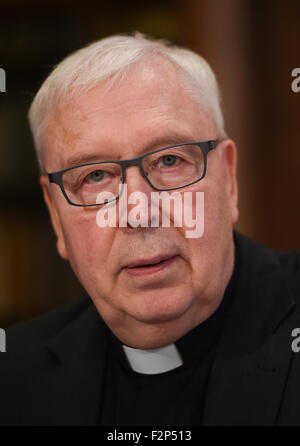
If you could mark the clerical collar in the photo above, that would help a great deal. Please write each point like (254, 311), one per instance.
(151, 362)
(193, 346)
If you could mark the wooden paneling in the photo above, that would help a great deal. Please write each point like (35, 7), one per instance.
(253, 47)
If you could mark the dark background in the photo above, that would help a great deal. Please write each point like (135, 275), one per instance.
(252, 45)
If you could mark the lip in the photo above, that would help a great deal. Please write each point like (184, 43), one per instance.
(149, 266)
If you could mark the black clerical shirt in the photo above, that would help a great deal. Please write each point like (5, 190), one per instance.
(175, 397)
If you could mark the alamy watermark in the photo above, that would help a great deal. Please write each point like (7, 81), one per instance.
(2, 341)
(295, 85)
(2, 81)
(296, 342)
(165, 209)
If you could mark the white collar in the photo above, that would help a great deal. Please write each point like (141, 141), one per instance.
(151, 362)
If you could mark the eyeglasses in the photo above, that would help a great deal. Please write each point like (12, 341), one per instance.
(169, 168)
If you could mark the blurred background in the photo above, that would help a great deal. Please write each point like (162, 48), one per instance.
(252, 45)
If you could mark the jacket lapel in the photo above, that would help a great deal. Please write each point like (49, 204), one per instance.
(252, 359)
(74, 381)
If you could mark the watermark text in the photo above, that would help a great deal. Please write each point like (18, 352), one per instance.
(2, 341)
(2, 81)
(164, 210)
(295, 85)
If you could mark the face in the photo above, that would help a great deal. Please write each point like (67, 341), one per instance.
(145, 306)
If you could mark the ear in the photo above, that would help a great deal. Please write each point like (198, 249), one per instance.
(228, 151)
(56, 223)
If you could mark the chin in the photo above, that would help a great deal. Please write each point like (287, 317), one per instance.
(160, 307)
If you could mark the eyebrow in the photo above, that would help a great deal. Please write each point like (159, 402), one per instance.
(83, 157)
(156, 143)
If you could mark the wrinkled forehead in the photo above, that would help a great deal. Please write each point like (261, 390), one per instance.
(129, 108)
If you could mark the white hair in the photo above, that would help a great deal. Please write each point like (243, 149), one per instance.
(113, 57)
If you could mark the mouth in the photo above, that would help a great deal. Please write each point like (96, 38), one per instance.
(149, 266)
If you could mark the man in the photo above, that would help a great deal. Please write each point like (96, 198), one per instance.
(174, 330)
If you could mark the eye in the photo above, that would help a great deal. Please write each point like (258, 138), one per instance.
(168, 161)
(95, 177)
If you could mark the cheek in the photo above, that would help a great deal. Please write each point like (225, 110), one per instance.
(206, 220)
(208, 204)
(88, 245)
(218, 224)
(207, 252)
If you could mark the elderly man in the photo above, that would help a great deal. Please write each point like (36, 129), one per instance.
(177, 328)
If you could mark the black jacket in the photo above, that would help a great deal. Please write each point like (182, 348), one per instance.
(52, 372)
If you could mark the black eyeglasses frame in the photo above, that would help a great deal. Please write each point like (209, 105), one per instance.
(205, 146)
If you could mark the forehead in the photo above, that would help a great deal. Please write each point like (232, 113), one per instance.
(118, 120)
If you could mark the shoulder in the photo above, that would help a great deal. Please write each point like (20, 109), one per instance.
(264, 258)
(269, 277)
(25, 340)
(47, 324)
(39, 355)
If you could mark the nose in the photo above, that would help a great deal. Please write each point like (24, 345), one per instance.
(138, 196)
(136, 182)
